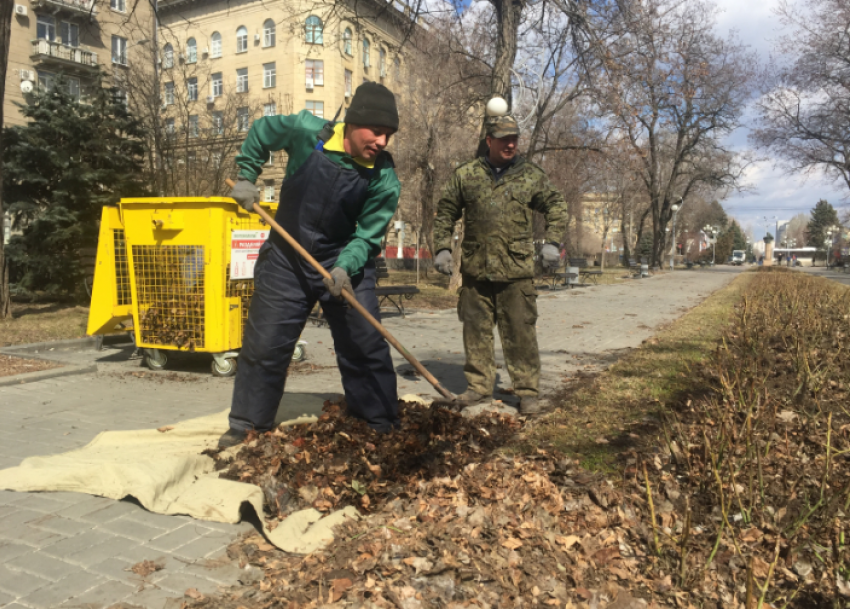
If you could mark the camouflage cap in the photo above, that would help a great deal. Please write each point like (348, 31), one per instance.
(502, 126)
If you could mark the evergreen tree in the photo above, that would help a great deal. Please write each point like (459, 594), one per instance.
(739, 239)
(61, 168)
(644, 246)
(823, 216)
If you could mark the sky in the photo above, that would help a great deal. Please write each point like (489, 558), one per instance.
(774, 192)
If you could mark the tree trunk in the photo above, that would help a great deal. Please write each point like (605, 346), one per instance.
(7, 8)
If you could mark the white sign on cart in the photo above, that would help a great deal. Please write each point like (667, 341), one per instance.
(244, 250)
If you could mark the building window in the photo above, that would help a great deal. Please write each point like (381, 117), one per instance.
(314, 71)
(215, 45)
(216, 85)
(270, 109)
(169, 93)
(193, 125)
(366, 45)
(191, 51)
(74, 90)
(269, 75)
(216, 159)
(218, 123)
(268, 33)
(242, 80)
(348, 76)
(268, 194)
(119, 50)
(169, 127)
(120, 95)
(346, 41)
(46, 28)
(243, 120)
(317, 108)
(313, 26)
(70, 34)
(192, 88)
(118, 5)
(241, 39)
(382, 61)
(168, 56)
(271, 158)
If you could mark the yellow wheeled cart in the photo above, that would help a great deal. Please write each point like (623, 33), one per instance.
(182, 268)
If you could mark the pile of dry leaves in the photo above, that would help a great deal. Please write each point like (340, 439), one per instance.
(741, 501)
(340, 461)
(508, 532)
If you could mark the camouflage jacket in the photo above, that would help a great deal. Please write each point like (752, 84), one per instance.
(497, 242)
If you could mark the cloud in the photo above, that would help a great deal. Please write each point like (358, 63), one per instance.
(775, 191)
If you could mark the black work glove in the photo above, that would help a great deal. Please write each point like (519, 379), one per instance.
(338, 282)
(443, 262)
(246, 194)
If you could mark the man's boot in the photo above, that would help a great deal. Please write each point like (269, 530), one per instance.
(529, 405)
(470, 398)
(231, 437)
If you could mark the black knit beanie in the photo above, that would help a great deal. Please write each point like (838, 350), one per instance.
(374, 106)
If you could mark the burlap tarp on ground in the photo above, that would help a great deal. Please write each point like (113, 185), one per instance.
(166, 472)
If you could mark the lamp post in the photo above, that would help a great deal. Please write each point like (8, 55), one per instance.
(675, 207)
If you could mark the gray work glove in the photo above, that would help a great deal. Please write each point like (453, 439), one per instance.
(550, 255)
(246, 194)
(338, 282)
(443, 262)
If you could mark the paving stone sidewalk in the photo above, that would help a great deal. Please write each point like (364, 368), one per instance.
(75, 550)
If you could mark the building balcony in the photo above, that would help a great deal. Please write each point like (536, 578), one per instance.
(74, 59)
(67, 8)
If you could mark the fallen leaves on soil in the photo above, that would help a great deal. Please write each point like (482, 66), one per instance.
(10, 366)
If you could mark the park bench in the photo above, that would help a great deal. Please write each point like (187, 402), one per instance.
(395, 294)
(586, 274)
(555, 277)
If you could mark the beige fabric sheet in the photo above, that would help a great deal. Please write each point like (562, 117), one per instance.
(167, 474)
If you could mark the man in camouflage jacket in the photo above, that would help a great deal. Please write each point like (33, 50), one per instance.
(497, 194)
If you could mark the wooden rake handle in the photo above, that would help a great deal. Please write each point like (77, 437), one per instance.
(352, 300)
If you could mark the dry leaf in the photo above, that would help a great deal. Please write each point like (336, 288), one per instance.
(512, 543)
(193, 593)
(146, 567)
(165, 428)
(339, 588)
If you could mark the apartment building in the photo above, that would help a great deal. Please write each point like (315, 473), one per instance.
(75, 38)
(224, 63)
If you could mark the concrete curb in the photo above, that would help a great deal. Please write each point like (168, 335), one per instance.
(72, 344)
(32, 377)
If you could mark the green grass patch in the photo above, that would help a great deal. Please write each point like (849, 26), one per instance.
(596, 417)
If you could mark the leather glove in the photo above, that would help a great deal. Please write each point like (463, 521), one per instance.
(550, 255)
(246, 194)
(338, 282)
(443, 262)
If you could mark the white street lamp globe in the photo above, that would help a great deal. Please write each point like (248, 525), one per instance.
(497, 107)
(675, 207)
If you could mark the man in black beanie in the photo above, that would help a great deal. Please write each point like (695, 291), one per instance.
(339, 194)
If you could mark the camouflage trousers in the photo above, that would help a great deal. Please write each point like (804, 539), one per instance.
(513, 307)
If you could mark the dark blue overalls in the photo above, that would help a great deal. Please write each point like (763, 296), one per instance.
(319, 207)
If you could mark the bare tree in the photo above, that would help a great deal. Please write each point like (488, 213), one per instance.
(439, 109)
(194, 126)
(672, 89)
(7, 8)
(805, 110)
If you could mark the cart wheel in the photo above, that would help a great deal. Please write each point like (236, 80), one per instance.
(300, 353)
(155, 359)
(229, 368)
